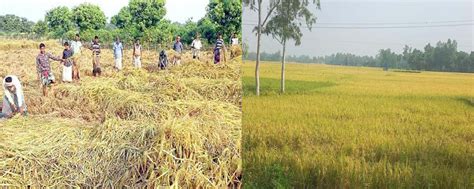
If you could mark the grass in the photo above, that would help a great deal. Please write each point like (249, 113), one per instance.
(354, 127)
(137, 128)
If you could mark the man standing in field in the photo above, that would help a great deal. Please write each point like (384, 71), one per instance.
(234, 40)
(76, 49)
(118, 52)
(219, 49)
(95, 47)
(45, 74)
(137, 51)
(67, 64)
(196, 45)
(234, 48)
(178, 47)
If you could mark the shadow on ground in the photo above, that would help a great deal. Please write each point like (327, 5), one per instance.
(269, 86)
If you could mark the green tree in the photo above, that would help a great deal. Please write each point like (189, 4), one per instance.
(59, 21)
(88, 16)
(188, 31)
(462, 61)
(428, 62)
(407, 52)
(40, 28)
(444, 55)
(106, 37)
(141, 14)
(285, 26)
(122, 19)
(470, 65)
(162, 33)
(227, 14)
(14, 24)
(416, 60)
(256, 5)
(207, 29)
(387, 58)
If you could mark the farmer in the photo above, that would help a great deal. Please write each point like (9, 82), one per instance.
(196, 45)
(219, 49)
(137, 51)
(45, 74)
(76, 49)
(234, 48)
(67, 63)
(234, 40)
(95, 47)
(178, 47)
(13, 99)
(118, 52)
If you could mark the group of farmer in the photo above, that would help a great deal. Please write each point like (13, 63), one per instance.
(14, 102)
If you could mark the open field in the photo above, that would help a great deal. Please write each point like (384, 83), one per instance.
(351, 127)
(136, 128)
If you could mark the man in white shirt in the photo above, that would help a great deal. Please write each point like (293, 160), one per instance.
(76, 49)
(118, 52)
(196, 45)
(234, 40)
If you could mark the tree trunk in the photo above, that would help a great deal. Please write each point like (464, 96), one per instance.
(282, 84)
(259, 34)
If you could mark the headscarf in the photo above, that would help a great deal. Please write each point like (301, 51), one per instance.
(18, 90)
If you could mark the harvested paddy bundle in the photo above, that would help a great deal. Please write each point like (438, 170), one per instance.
(134, 128)
(230, 70)
(235, 51)
(224, 89)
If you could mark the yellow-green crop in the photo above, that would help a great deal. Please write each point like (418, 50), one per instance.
(354, 127)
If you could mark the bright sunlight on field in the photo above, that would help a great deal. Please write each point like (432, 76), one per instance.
(136, 128)
(354, 127)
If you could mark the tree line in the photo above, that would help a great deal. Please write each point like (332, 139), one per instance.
(444, 56)
(140, 19)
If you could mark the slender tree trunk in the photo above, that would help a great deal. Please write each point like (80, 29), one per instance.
(259, 34)
(282, 84)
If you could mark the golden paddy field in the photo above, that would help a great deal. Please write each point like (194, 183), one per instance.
(136, 128)
(354, 127)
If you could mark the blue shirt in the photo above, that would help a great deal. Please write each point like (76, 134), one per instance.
(178, 47)
(118, 50)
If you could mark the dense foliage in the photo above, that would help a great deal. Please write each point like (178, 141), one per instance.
(140, 19)
(11, 23)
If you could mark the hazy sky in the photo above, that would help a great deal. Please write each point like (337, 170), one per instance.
(34, 10)
(325, 41)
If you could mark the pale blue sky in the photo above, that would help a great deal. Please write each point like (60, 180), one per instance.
(325, 41)
(34, 10)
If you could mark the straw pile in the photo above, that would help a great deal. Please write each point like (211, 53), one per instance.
(136, 128)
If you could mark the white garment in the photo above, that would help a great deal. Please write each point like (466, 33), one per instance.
(76, 47)
(137, 62)
(67, 73)
(197, 44)
(177, 61)
(18, 90)
(118, 63)
(196, 53)
(235, 41)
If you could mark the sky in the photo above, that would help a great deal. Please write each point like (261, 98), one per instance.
(34, 10)
(325, 41)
